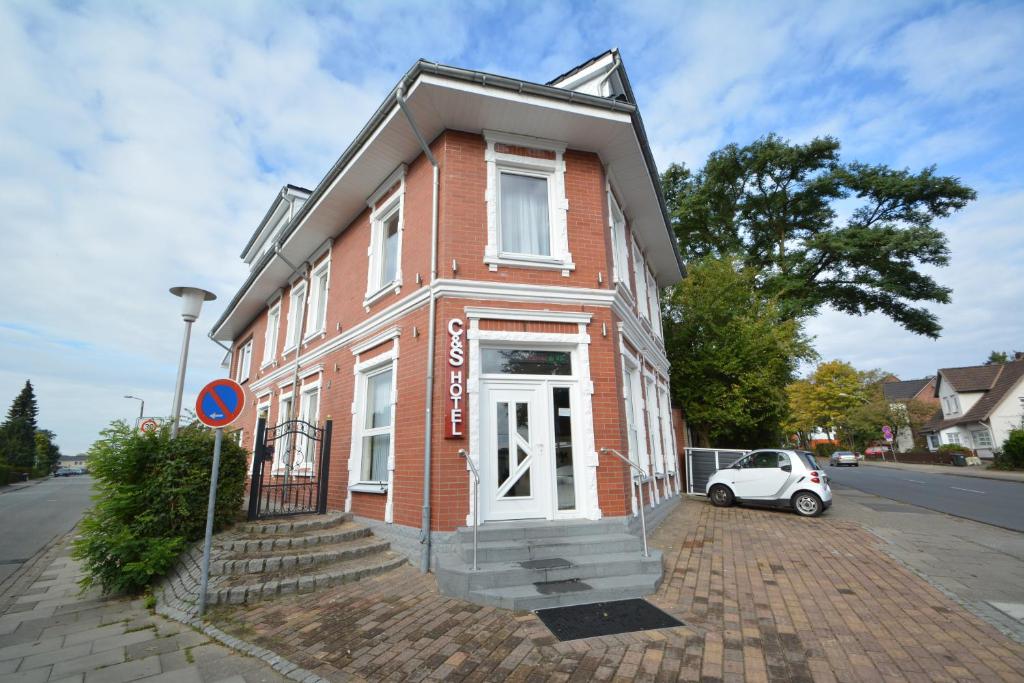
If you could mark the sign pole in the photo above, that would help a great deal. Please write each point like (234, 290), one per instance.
(210, 507)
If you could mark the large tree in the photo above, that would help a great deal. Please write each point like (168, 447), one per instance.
(732, 354)
(18, 432)
(820, 231)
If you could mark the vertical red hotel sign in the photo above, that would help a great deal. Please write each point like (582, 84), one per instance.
(454, 420)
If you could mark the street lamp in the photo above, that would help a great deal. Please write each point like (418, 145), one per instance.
(142, 404)
(192, 299)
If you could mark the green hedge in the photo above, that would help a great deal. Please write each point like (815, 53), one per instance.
(151, 498)
(5, 473)
(1011, 456)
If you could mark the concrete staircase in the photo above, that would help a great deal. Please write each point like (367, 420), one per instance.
(259, 560)
(533, 565)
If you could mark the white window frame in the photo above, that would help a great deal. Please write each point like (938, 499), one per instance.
(271, 334)
(620, 249)
(640, 281)
(320, 274)
(953, 438)
(653, 407)
(987, 437)
(364, 371)
(307, 392)
(654, 302)
(553, 170)
(278, 466)
(296, 302)
(244, 369)
(380, 213)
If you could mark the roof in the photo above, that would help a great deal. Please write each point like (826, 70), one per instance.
(904, 391)
(426, 81)
(972, 378)
(1004, 377)
(288, 188)
(580, 67)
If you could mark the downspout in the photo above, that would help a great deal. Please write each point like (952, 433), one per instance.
(431, 314)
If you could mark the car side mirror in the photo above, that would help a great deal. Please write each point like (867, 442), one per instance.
(786, 468)
(735, 467)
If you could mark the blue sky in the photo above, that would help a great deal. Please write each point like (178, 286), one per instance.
(140, 143)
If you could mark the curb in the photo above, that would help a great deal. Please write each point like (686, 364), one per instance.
(278, 663)
(956, 472)
(11, 488)
(32, 568)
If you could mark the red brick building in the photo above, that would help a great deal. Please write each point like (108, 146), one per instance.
(515, 232)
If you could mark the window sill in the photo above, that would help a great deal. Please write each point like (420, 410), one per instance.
(267, 364)
(313, 336)
(379, 489)
(373, 297)
(539, 263)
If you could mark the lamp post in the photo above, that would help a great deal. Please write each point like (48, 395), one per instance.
(142, 404)
(192, 299)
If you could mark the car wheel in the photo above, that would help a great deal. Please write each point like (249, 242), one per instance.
(856, 464)
(721, 496)
(807, 504)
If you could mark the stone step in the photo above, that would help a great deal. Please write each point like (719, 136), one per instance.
(290, 525)
(504, 531)
(605, 589)
(569, 547)
(257, 545)
(315, 578)
(291, 559)
(458, 578)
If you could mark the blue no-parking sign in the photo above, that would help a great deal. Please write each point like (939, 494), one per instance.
(220, 403)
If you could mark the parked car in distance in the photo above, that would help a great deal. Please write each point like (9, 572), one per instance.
(876, 452)
(774, 478)
(840, 458)
(69, 471)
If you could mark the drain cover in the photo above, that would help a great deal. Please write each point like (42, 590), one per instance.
(605, 619)
(556, 587)
(551, 563)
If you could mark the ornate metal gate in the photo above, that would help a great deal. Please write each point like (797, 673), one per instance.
(290, 468)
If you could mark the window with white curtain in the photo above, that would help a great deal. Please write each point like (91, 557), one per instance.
(296, 305)
(282, 447)
(527, 210)
(640, 282)
(309, 411)
(654, 424)
(385, 270)
(316, 321)
(270, 336)
(524, 226)
(376, 425)
(244, 362)
(620, 251)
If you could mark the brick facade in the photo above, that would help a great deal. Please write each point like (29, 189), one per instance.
(462, 239)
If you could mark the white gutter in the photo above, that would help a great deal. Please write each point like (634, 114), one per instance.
(431, 315)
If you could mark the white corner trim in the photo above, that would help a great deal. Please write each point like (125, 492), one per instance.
(397, 175)
(489, 313)
(516, 140)
(364, 346)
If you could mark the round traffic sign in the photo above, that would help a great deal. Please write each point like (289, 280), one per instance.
(220, 403)
(148, 425)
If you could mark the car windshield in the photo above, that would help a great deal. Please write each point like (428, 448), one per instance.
(843, 453)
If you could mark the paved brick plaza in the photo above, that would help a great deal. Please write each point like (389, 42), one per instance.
(767, 596)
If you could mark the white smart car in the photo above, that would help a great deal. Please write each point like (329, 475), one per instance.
(773, 477)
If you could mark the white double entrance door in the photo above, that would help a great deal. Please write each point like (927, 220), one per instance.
(527, 466)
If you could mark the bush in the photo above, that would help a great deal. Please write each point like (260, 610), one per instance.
(825, 450)
(151, 496)
(1011, 457)
(951, 448)
(5, 473)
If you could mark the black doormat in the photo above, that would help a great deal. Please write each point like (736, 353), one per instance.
(605, 619)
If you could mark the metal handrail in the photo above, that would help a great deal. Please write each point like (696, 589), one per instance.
(476, 500)
(639, 491)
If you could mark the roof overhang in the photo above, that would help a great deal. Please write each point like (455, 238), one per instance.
(442, 98)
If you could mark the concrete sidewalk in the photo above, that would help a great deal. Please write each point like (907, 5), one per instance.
(51, 631)
(974, 471)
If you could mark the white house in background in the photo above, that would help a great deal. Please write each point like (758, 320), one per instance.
(980, 405)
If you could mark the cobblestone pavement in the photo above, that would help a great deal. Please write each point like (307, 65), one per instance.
(766, 596)
(980, 565)
(51, 631)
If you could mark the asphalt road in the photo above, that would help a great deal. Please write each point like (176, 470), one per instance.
(32, 517)
(984, 500)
